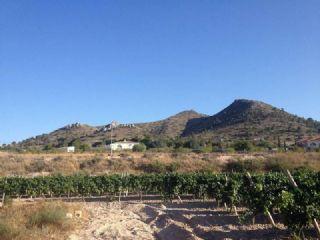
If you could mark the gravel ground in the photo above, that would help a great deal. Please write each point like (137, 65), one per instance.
(192, 221)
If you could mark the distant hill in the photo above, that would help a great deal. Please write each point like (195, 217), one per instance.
(248, 119)
(170, 128)
(243, 119)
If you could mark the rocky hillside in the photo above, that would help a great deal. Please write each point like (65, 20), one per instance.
(243, 119)
(170, 128)
(247, 119)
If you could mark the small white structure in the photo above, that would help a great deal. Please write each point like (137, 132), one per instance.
(125, 145)
(70, 149)
(310, 144)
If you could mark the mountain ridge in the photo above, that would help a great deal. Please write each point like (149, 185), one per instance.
(242, 119)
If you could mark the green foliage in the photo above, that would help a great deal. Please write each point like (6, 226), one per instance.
(139, 147)
(84, 147)
(243, 146)
(48, 147)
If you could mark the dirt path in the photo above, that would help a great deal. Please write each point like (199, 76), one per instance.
(112, 221)
(191, 221)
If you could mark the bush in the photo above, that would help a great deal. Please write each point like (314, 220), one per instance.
(90, 163)
(139, 148)
(7, 232)
(159, 167)
(173, 167)
(37, 165)
(182, 150)
(229, 150)
(242, 146)
(275, 165)
(154, 167)
(243, 166)
(48, 215)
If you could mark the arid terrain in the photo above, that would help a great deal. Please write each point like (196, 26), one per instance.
(27, 164)
(192, 220)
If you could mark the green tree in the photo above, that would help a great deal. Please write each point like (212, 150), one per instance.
(139, 147)
(84, 147)
(48, 147)
(243, 146)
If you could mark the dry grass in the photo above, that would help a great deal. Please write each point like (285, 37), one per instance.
(26, 221)
(100, 163)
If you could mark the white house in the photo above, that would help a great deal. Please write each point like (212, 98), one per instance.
(311, 144)
(124, 145)
(70, 149)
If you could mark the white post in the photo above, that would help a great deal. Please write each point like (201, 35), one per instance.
(111, 142)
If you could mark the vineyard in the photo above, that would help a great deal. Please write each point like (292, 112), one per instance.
(295, 198)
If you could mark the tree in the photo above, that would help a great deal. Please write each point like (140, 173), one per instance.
(193, 144)
(84, 147)
(139, 147)
(243, 146)
(48, 147)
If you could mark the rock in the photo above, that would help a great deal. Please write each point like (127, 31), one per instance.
(73, 237)
(78, 214)
(163, 207)
(69, 215)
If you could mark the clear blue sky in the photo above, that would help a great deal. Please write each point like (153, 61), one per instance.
(133, 61)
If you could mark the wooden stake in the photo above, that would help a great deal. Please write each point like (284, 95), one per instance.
(292, 181)
(316, 226)
(250, 178)
(225, 206)
(235, 210)
(271, 219)
(3, 196)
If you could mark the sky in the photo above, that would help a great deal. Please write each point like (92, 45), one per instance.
(135, 61)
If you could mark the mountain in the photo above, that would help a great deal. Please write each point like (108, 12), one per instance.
(248, 119)
(61, 136)
(170, 127)
(243, 119)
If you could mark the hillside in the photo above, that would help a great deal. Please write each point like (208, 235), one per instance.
(247, 119)
(243, 119)
(169, 127)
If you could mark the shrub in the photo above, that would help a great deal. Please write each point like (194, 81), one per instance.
(7, 232)
(139, 147)
(229, 150)
(182, 150)
(154, 167)
(276, 165)
(243, 146)
(173, 167)
(37, 166)
(159, 167)
(48, 215)
(90, 163)
(243, 166)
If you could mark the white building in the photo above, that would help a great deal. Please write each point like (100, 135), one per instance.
(70, 149)
(125, 145)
